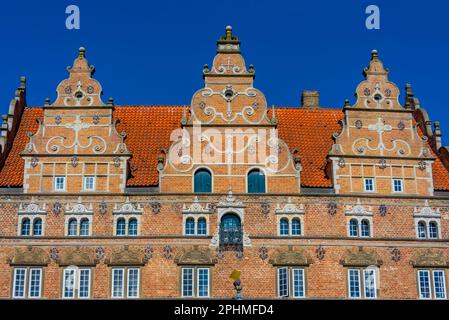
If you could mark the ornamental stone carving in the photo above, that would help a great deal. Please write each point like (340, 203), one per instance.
(30, 256)
(430, 259)
(32, 208)
(195, 257)
(426, 211)
(360, 258)
(358, 210)
(79, 208)
(128, 207)
(196, 207)
(126, 257)
(78, 257)
(291, 257)
(290, 207)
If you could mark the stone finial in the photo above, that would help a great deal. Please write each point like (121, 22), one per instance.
(228, 42)
(47, 102)
(23, 81)
(81, 53)
(347, 103)
(111, 101)
(375, 67)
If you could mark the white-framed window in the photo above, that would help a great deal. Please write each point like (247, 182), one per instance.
(432, 284)
(291, 282)
(127, 225)
(76, 283)
(60, 183)
(362, 283)
(125, 282)
(368, 185)
(289, 226)
(398, 185)
(427, 228)
(78, 226)
(195, 282)
(360, 227)
(195, 225)
(27, 283)
(89, 183)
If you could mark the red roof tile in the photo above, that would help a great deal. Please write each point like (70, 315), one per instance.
(148, 130)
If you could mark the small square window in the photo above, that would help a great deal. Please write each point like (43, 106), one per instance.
(89, 183)
(60, 184)
(398, 185)
(369, 184)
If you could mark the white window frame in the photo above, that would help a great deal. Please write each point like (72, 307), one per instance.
(76, 282)
(419, 284)
(432, 289)
(365, 184)
(193, 282)
(40, 283)
(290, 273)
(15, 283)
(122, 294)
(361, 289)
(401, 185)
(127, 283)
(444, 284)
(94, 183)
(55, 185)
(374, 283)
(198, 282)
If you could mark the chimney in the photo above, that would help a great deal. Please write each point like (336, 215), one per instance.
(310, 99)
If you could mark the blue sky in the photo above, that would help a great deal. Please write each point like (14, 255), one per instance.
(152, 52)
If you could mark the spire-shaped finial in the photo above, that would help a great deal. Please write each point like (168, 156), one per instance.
(228, 42)
(374, 54)
(81, 53)
(228, 32)
(23, 81)
(375, 66)
(273, 116)
(347, 103)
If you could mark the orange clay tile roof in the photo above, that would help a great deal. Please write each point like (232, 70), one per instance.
(148, 130)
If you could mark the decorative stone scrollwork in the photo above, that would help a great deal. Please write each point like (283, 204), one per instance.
(103, 207)
(263, 253)
(99, 254)
(341, 163)
(78, 257)
(332, 208)
(54, 254)
(426, 211)
(396, 255)
(220, 253)
(239, 253)
(128, 207)
(74, 161)
(126, 257)
(34, 161)
(58, 119)
(147, 254)
(196, 207)
(401, 125)
(320, 253)
(383, 210)
(360, 258)
(265, 208)
(291, 257)
(422, 165)
(116, 161)
(32, 208)
(79, 208)
(359, 124)
(195, 257)
(382, 163)
(156, 207)
(430, 259)
(168, 252)
(57, 208)
(358, 210)
(96, 119)
(231, 201)
(31, 256)
(290, 208)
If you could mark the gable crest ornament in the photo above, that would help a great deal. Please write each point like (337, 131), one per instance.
(196, 207)
(426, 211)
(128, 207)
(32, 208)
(79, 208)
(358, 210)
(290, 207)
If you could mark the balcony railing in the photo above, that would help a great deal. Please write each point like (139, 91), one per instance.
(231, 239)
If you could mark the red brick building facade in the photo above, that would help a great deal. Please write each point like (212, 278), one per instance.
(102, 201)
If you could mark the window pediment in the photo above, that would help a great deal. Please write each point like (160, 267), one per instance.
(426, 211)
(430, 259)
(78, 257)
(128, 208)
(79, 208)
(32, 208)
(126, 257)
(360, 258)
(196, 207)
(30, 256)
(290, 208)
(195, 257)
(291, 258)
(358, 210)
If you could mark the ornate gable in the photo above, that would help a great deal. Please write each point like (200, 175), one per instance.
(379, 138)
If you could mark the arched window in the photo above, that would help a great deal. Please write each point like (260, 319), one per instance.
(296, 227)
(365, 230)
(283, 227)
(353, 228)
(231, 230)
(202, 181)
(433, 230)
(190, 226)
(256, 181)
(25, 228)
(84, 227)
(121, 227)
(37, 227)
(73, 227)
(422, 232)
(132, 227)
(201, 227)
